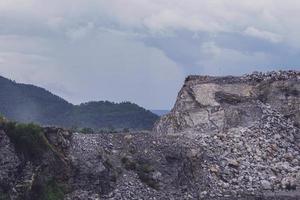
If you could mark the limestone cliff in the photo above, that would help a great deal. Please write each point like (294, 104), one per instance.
(248, 127)
(208, 103)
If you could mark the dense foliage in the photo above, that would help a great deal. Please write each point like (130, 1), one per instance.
(52, 191)
(110, 115)
(28, 103)
(32, 145)
(4, 196)
(28, 139)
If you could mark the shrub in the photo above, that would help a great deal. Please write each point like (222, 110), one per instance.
(4, 196)
(3, 120)
(128, 163)
(144, 172)
(52, 191)
(29, 139)
(126, 130)
(87, 131)
(147, 179)
(143, 169)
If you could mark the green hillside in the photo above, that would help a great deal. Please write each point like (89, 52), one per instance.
(29, 103)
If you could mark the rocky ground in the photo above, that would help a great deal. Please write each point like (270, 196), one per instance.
(226, 138)
(248, 126)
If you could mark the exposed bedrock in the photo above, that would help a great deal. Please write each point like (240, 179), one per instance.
(248, 126)
(226, 138)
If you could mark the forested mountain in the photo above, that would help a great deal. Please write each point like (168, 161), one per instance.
(29, 103)
(111, 115)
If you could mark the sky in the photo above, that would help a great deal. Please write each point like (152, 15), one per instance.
(141, 50)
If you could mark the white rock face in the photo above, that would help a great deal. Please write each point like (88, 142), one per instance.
(216, 103)
(205, 93)
(248, 127)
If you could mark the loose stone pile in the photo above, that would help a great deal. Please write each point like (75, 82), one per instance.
(247, 127)
(227, 138)
(272, 76)
(252, 159)
(8, 162)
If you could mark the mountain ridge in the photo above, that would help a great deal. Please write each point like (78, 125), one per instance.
(30, 103)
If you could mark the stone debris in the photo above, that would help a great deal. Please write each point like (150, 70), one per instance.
(249, 134)
(9, 162)
(272, 76)
(251, 159)
(227, 138)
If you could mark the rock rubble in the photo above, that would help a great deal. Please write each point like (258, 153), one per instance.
(248, 128)
(227, 138)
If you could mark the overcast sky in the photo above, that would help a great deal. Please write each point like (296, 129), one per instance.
(141, 50)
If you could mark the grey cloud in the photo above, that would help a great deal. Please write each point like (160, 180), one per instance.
(101, 66)
(98, 49)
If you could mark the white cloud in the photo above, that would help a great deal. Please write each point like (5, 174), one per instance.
(272, 20)
(265, 35)
(102, 66)
(75, 47)
(219, 61)
(80, 32)
(2, 60)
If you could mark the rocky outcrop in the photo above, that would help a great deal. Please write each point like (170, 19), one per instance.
(248, 126)
(29, 177)
(137, 166)
(103, 166)
(210, 103)
(226, 138)
(9, 162)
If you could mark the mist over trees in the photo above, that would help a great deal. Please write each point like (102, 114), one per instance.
(28, 103)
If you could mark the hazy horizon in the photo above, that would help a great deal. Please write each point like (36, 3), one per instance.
(93, 100)
(142, 51)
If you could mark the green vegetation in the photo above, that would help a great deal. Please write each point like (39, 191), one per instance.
(87, 131)
(96, 130)
(146, 168)
(4, 196)
(2, 119)
(144, 172)
(111, 116)
(30, 142)
(52, 191)
(128, 163)
(126, 130)
(28, 139)
(28, 103)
